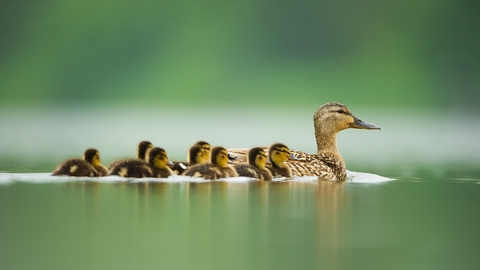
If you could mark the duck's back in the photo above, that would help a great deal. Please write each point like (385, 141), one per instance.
(75, 167)
(134, 168)
(245, 170)
(162, 173)
(205, 170)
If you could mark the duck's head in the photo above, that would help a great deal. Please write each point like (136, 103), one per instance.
(333, 117)
(206, 147)
(257, 157)
(92, 156)
(278, 154)
(143, 148)
(219, 156)
(198, 155)
(158, 157)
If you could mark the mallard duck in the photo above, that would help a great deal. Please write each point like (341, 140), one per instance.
(89, 166)
(327, 163)
(257, 159)
(218, 168)
(142, 149)
(278, 154)
(179, 167)
(156, 166)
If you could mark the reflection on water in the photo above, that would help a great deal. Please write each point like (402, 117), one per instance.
(240, 225)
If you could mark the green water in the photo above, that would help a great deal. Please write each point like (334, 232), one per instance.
(402, 224)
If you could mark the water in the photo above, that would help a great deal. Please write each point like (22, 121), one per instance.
(415, 209)
(369, 222)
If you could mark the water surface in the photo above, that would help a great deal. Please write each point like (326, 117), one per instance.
(371, 223)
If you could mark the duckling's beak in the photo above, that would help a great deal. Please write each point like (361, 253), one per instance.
(292, 157)
(357, 123)
(170, 163)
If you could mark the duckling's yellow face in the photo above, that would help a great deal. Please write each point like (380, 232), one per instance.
(222, 158)
(96, 160)
(161, 160)
(280, 155)
(261, 159)
(202, 157)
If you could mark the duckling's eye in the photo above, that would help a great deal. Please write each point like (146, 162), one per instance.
(341, 111)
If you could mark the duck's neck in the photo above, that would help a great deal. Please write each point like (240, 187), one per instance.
(326, 142)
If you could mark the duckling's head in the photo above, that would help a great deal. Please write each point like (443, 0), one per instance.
(219, 156)
(197, 155)
(92, 156)
(333, 117)
(206, 147)
(257, 157)
(278, 154)
(158, 157)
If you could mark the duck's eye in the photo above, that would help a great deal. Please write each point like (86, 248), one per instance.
(341, 111)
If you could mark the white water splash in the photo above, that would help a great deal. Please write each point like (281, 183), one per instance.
(41, 178)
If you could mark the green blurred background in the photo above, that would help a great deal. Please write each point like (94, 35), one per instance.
(107, 74)
(374, 53)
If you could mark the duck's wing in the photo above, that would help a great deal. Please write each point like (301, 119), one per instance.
(323, 166)
(298, 155)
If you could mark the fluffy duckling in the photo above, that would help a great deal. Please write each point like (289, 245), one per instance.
(156, 166)
(257, 159)
(218, 168)
(278, 154)
(142, 150)
(158, 161)
(89, 166)
(179, 167)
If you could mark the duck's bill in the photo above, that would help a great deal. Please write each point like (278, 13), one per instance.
(357, 123)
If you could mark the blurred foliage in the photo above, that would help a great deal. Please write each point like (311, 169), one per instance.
(401, 53)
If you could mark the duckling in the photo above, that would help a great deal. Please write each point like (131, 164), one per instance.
(179, 167)
(278, 154)
(218, 168)
(89, 166)
(142, 151)
(156, 166)
(327, 163)
(255, 168)
(158, 161)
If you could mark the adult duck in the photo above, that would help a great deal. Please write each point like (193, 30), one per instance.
(327, 163)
